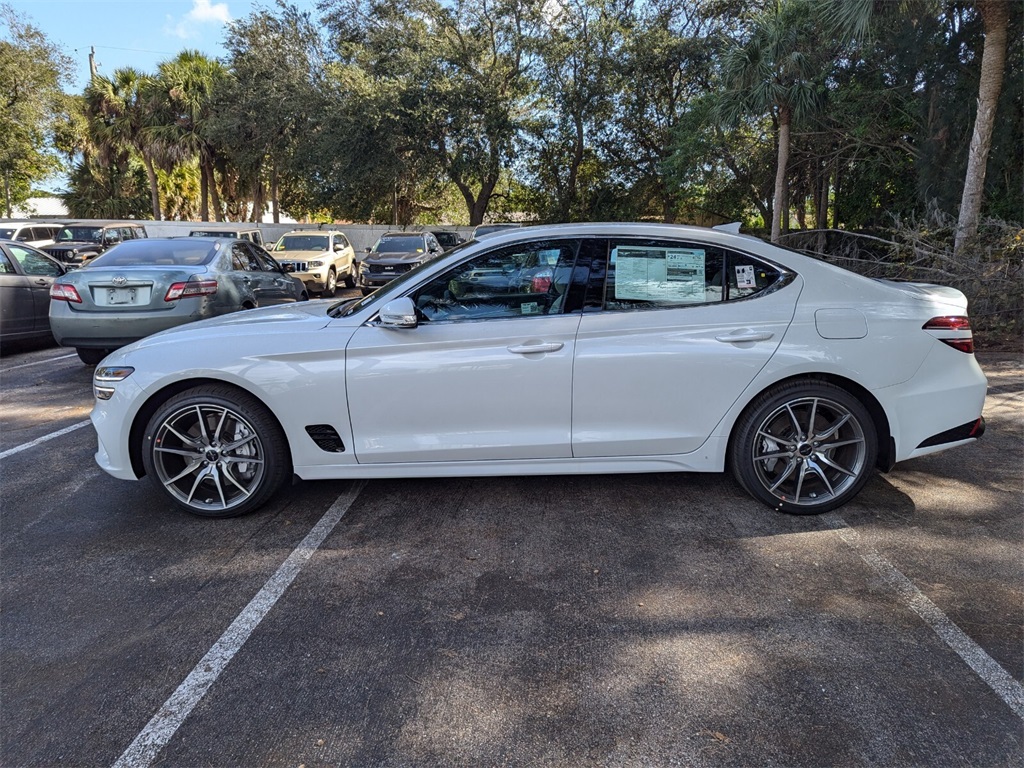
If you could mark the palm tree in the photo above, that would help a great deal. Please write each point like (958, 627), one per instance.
(121, 110)
(854, 18)
(186, 85)
(773, 71)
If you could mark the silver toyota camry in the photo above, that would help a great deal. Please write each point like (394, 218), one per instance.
(140, 287)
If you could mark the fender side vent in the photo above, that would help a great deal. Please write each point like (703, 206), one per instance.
(326, 437)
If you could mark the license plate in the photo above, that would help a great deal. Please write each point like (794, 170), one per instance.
(120, 295)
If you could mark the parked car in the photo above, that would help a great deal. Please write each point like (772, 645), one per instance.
(252, 234)
(490, 229)
(141, 287)
(318, 258)
(34, 233)
(79, 241)
(653, 348)
(394, 254)
(447, 239)
(26, 275)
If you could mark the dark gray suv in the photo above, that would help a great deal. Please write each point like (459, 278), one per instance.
(79, 241)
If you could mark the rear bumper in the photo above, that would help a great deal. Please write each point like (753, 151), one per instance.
(970, 430)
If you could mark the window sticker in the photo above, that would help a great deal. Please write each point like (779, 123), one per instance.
(674, 275)
(530, 308)
(745, 276)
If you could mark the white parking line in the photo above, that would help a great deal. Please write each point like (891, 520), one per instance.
(172, 714)
(984, 666)
(43, 439)
(37, 362)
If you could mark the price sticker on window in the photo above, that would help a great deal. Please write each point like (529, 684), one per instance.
(745, 276)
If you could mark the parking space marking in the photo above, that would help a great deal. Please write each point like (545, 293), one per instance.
(987, 668)
(37, 362)
(43, 439)
(163, 725)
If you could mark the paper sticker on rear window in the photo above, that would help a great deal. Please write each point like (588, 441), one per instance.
(745, 276)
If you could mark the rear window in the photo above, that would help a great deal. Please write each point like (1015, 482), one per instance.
(215, 233)
(179, 252)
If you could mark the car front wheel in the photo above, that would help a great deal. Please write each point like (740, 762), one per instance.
(332, 283)
(804, 447)
(215, 451)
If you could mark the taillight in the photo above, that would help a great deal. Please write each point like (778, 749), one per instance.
(64, 292)
(191, 288)
(953, 323)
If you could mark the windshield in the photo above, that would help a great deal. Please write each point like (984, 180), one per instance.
(80, 234)
(303, 243)
(399, 244)
(180, 252)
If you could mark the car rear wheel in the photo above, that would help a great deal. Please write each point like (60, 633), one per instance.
(91, 356)
(332, 283)
(350, 280)
(215, 451)
(804, 447)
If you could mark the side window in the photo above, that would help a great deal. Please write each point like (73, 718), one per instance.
(244, 259)
(34, 264)
(747, 276)
(517, 281)
(267, 263)
(342, 241)
(662, 274)
(651, 274)
(6, 268)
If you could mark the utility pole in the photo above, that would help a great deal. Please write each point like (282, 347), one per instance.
(92, 62)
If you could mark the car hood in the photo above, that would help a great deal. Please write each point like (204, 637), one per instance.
(393, 258)
(71, 244)
(283, 256)
(311, 313)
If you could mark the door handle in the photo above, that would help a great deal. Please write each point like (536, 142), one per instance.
(530, 349)
(41, 282)
(741, 336)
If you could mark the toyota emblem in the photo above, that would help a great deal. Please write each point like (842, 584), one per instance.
(119, 280)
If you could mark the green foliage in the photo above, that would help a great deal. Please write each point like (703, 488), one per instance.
(32, 74)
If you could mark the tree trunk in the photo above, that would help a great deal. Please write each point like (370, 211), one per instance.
(204, 194)
(273, 196)
(780, 173)
(7, 193)
(218, 214)
(995, 14)
(154, 190)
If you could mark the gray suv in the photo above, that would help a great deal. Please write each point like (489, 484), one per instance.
(79, 241)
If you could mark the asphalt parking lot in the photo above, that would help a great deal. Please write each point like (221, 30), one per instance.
(641, 620)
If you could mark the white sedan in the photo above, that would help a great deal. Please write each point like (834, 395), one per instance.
(568, 349)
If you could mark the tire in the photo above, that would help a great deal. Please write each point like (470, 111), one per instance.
(91, 356)
(350, 280)
(215, 451)
(332, 283)
(804, 448)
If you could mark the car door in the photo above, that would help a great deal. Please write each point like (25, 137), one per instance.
(17, 316)
(278, 287)
(671, 335)
(486, 374)
(31, 300)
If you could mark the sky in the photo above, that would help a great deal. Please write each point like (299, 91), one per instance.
(136, 33)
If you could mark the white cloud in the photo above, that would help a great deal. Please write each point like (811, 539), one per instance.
(203, 12)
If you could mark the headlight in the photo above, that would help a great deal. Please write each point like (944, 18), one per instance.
(314, 264)
(106, 378)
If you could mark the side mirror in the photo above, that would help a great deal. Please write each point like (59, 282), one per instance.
(367, 249)
(399, 313)
(339, 247)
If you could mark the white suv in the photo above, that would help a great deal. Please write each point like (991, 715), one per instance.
(319, 258)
